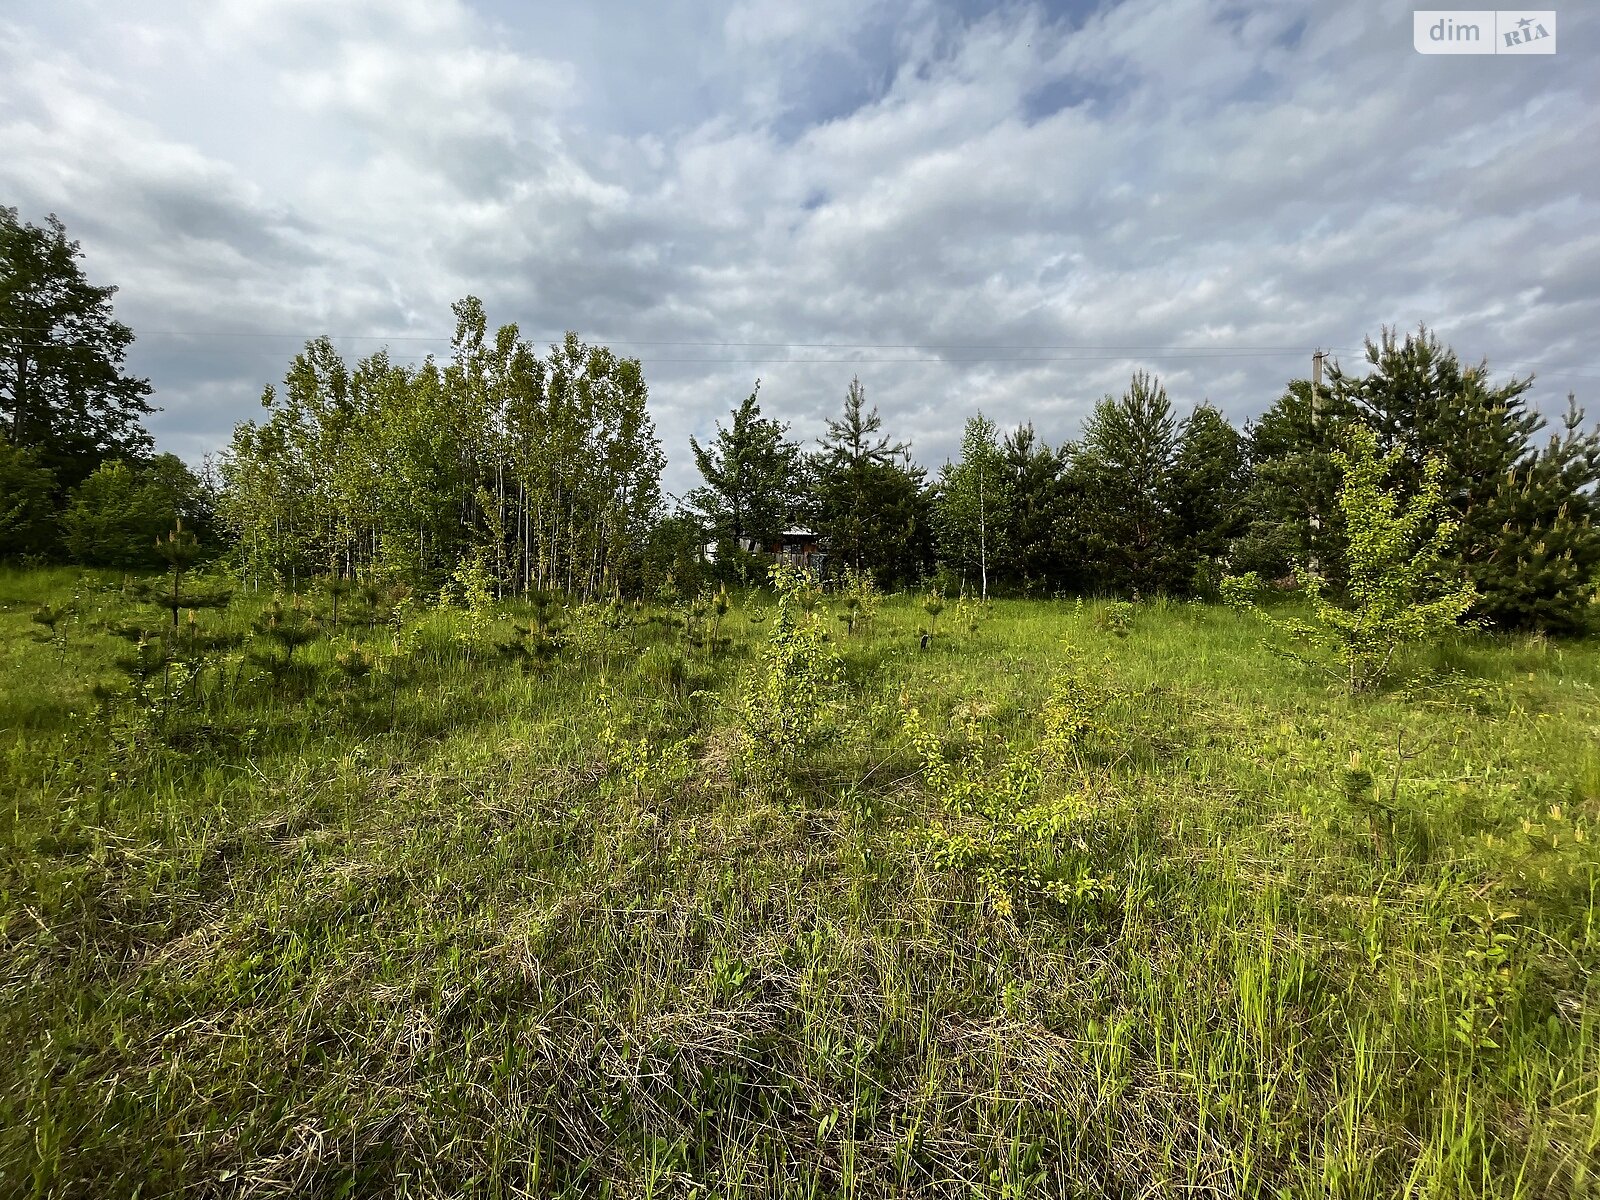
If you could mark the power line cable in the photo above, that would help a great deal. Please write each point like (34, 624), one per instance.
(932, 352)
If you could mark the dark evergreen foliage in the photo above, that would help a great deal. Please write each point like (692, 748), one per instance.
(1209, 484)
(1040, 513)
(27, 507)
(1125, 467)
(755, 479)
(871, 504)
(1525, 536)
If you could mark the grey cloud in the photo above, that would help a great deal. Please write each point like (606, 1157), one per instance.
(1144, 174)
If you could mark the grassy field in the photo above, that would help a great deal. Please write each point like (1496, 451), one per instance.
(1077, 901)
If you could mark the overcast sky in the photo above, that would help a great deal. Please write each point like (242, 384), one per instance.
(803, 192)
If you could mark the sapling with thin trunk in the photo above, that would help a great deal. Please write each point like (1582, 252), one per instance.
(287, 629)
(180, 550)
(933, 605)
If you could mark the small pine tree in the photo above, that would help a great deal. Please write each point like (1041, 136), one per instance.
(283, 630)
(180, 550)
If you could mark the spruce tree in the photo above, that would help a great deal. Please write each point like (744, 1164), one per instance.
(754, 478)
(1545, 556)
(869, 495)
(1036, 488)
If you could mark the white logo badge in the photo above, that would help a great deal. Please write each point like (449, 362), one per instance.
(1483, 31)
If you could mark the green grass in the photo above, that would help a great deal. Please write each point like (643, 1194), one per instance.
(452, 936)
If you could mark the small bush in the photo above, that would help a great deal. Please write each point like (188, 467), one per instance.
(794, 702)
(1399, 591)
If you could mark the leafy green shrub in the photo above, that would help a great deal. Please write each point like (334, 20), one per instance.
(27, 520)
(970, 614)
(1115, 617)
(794, 702)
(594, 632)
(114, 518)
(1399, 591)
(116, 515)
(1009, 824)
(640, 758)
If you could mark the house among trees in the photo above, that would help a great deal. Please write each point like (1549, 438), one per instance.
(799, 548)
(795, 547)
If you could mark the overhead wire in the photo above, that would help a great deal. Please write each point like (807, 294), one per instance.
(928, 352)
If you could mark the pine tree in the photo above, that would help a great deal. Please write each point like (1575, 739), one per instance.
(754, 479)
(1125, 470)
(1294, 519)
(868, 496)
(1210, 478)
(1523, 513)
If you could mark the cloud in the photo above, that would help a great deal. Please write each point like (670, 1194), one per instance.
(1008, 209)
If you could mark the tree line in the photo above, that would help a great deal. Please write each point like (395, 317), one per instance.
(1148, 501)
(541, 471)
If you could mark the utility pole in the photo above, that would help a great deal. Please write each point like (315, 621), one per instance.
(1312, 564)
(1316, 388)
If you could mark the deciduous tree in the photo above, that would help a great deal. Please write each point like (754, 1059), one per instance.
(974, 504)
(27, 512)
(63, 392)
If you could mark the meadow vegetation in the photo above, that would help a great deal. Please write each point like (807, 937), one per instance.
(771, 894)
(432, 811)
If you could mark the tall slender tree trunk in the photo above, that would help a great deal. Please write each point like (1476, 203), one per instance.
(983, 534)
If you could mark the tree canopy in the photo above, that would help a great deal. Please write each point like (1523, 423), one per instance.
(63, 392)
(543, 470)
(870, 502)
(547, 468)
(1125, 463)
(975, 504)
(755, 478)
